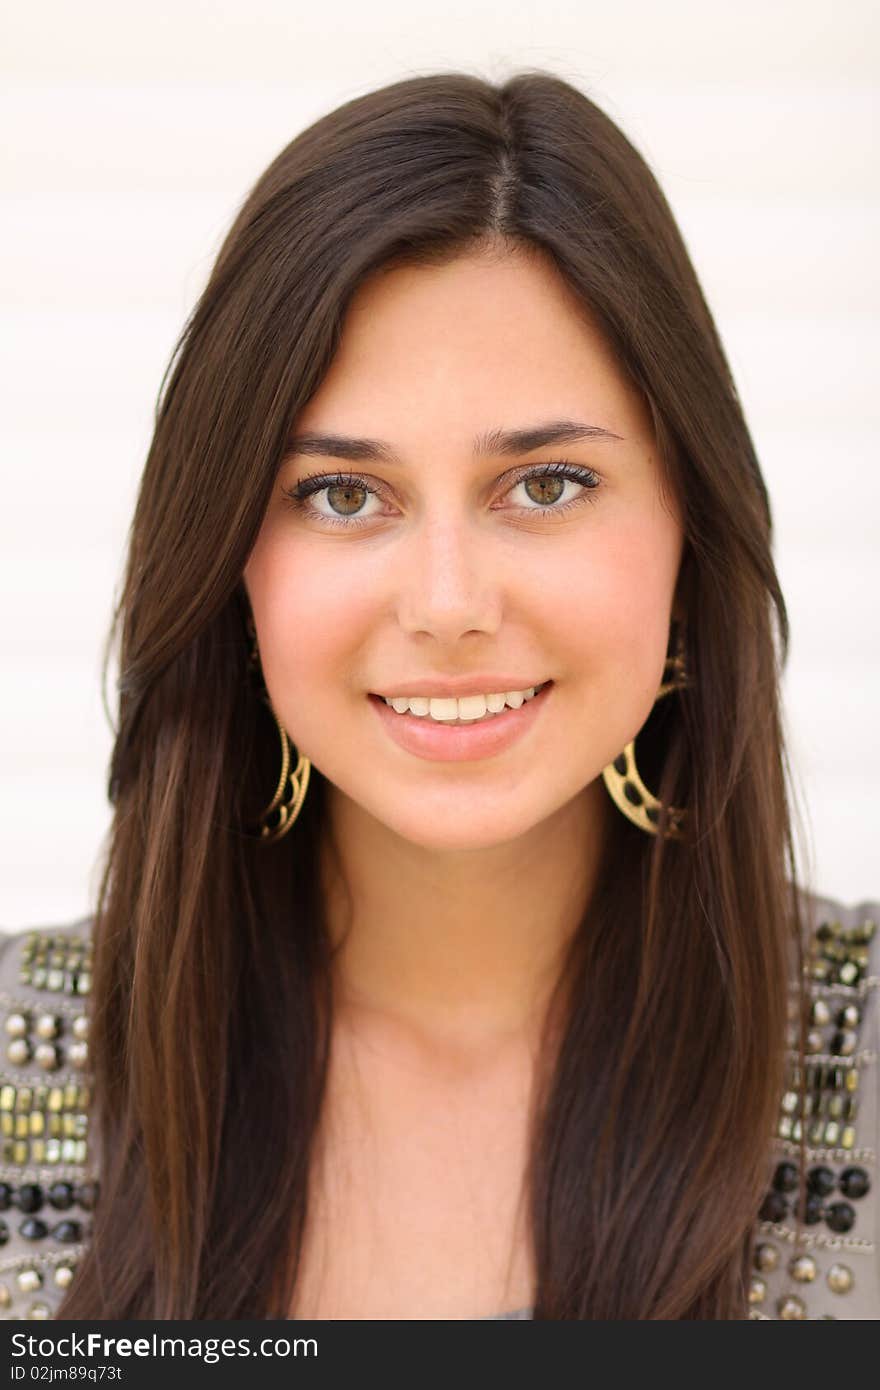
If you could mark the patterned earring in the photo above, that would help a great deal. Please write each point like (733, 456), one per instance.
(286, 804)
(625, 786)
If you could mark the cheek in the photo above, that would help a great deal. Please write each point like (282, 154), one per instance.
(311, 618)
(615, 616)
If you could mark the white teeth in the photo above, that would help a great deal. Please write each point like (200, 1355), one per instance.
(466, 710)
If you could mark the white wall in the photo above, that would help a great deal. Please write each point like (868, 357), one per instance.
(132, 134)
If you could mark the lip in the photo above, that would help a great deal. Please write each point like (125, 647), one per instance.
(426, 738)
(459, 687)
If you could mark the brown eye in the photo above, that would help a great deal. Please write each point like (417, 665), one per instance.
(546, 490)
(346, 498)
(545, 486)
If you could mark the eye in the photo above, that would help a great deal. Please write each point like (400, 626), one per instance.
(549, 483)
(346, 493)
(344, 490)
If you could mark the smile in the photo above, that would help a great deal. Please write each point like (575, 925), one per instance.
(445, 739)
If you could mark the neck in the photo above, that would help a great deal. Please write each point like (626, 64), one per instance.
(461, 948)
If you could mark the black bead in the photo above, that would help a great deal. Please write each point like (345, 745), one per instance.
(29, 1197)
(620, 764)
(86, 1194)
(774, 1207)
(854, 1182)
(813, 1209)
(67, 1231)
(5, 1196)
(786, 1177)
(32, 1228)
(4, 1232)
(840, 1217)
(60, 1195)
(821, 1180)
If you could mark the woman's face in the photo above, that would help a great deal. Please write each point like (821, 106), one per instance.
(454, 564)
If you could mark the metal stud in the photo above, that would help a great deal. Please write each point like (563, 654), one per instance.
(81, 1026)
(757, 1289)
(16, 1025)
(78, 1054)
(840, 1278)
(766, 1257)
(803, 1268)
(47, 1055)
(63, 1275)
(19, 1051)
(29, 1279)
(47, 1026)
(790, 1306)
(820, 1013)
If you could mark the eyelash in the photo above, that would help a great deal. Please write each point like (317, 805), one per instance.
(297, 496)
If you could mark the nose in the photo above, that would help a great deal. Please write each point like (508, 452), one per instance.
(451, 580)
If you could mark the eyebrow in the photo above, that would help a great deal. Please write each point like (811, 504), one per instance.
(491, 442)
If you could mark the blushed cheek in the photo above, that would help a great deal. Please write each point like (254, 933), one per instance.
(613, 621)
(312, 620)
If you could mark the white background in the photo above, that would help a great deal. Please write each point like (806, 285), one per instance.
(133, 132)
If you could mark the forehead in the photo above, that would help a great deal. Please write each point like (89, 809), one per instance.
(481, 339)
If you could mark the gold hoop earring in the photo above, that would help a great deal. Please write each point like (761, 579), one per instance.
(277, 818)
(621, 777)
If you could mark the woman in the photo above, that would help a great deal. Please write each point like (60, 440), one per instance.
(451, 532)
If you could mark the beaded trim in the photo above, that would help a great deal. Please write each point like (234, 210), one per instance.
(817, 1238)
(44, 1259)
(45, 1100)
(788, 1146)
(820, 1101)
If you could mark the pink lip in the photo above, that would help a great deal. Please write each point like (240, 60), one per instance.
(459, 742)
(459, 687)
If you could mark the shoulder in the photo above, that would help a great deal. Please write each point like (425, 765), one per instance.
(828, 1264)
(47, 1183)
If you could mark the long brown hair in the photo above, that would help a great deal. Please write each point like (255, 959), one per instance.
(212, 982)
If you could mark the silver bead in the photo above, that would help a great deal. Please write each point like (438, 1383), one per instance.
(766, 1257)
(16, 1025)
(78, 1054)
(47, 1026)
(47, 1056)
(790, 1306)
(19, 1051)
(840, 1278)
(846, 1043)
(81, 1026)
(757, 1290)
(29, 1279)
(803, 1268)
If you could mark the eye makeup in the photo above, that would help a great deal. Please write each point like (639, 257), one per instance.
(299, 496)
